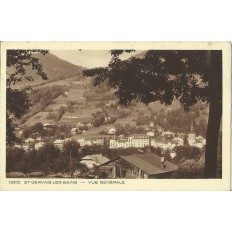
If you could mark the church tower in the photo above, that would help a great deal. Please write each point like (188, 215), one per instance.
(191, 136)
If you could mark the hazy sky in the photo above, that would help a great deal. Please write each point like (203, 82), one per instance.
(88, 58)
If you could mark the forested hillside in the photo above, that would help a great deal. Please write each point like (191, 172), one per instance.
(41, 98)
(67, 98)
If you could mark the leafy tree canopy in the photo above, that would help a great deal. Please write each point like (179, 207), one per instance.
(72, 148)
(17, 101)
(164, 75)
(160, 76)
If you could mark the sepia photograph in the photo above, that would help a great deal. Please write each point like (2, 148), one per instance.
(109, 115)
(115, 115)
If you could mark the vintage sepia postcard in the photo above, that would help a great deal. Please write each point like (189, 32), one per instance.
(115, 116)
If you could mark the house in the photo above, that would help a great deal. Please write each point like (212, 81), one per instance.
(98, 141)
(29, 144)
(89, 124)
(158, 129)
(139, 140)
(29, 140)
(18, 146)
(74, 131)
(18, 131)
(91, 141)
(191, 138)
(172, 154)
(47, 126)
(25, 147)
(119, 143)
(164, 143)
(150, 133)
(39, 145)
(140, 166)
(112, 131)
(199, 143)
(107, 119)
(181, 135)
(153, 142)
(201, 139)
(152, 124)
(168, 134)
(80, 124)
(38, 139)
(179, 141)
(94, 160)
(81, 142)
(59, 143)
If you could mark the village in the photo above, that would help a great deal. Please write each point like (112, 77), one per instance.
(74, 129)
(142, 164)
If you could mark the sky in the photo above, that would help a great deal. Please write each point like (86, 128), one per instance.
(88, 58)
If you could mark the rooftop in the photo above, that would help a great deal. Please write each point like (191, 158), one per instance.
(138, 136)
(168, 133)
(98, 158)
(150, 163)
(58, 141)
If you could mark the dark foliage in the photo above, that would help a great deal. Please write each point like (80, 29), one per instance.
(165, 75)
(17, 100)
(47, 159)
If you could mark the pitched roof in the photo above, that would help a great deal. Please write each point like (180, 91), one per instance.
(98, 158)
(150, 163)
(198, 141)
(139, 136)
(58, 141)
(168, 133)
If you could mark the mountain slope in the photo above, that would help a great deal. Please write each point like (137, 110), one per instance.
(53, 66)
(57, 68)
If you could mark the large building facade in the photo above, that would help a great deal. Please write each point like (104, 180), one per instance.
(137, 141)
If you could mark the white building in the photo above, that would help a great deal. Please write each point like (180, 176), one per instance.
(201, 139)
(172, 154)
(191, 136)
(168, 134)
(59, 143)
(98, 141)
(122, 143)
(74, 131)
(80, 124)
(25, 147)
(38, 145)
(138, 141)
(48, 126)
(150, 133)
(29, 140)
(179, 141)
(164, 144)
(152, 124)
(81, 142)
(29, 144)
(91, 141)
(89, 124)
(153, 142)
(200, 142)
(112, 131)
